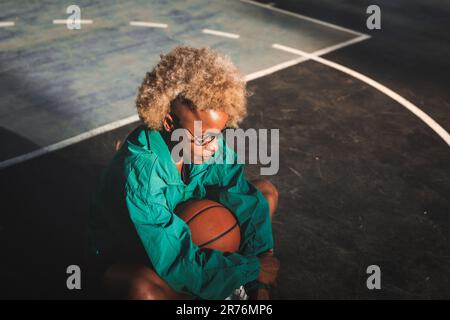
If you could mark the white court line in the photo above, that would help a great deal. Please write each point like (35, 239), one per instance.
(329, 49)
(275, 68)
(5, 24)
(395, 96)
(300, 16)
(221, 33)
(70, 21)
(68, 142)
(134, 118)
(292, 62)
(148, 24)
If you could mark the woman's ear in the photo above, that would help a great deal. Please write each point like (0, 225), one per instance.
(168, 123)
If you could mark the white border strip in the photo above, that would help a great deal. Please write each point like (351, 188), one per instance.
(134, 118)
(68, 142)
(6, 24)
(148, 24)
(221, 33)
(300, 16)
(395, 96)
(70, 21)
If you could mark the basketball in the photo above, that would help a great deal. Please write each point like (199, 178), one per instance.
(211, 224)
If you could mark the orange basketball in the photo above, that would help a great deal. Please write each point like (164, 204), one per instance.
(212, 225)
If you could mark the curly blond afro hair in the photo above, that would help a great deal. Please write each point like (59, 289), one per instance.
(203, 76)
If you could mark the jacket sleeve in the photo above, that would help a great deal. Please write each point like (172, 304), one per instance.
(205, 273)
(231, 188)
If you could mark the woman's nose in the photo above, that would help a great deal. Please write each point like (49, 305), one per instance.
(212, 146)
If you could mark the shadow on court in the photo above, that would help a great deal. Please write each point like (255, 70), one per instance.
(45, 207)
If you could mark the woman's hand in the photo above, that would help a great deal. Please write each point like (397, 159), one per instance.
(269, 266)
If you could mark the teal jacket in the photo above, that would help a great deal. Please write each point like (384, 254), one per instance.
(141, 188)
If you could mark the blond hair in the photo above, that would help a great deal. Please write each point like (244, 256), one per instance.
(203, 76)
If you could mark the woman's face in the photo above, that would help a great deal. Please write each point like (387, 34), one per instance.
(212, 122)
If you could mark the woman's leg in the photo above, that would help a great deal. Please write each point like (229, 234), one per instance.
(143, 283)
(270, 192)
(138, 282)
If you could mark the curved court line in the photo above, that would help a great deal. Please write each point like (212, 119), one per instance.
(134, 118)
(295, 61)
(395, 96)
(300, 16)
(275, 68)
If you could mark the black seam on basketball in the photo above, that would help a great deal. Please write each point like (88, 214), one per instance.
(219, 236)
(203, 210)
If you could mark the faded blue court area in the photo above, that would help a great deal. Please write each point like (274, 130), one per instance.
(57, 83)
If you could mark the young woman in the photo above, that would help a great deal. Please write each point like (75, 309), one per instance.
(142, 249)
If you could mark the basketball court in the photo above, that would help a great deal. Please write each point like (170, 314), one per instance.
(363, 116)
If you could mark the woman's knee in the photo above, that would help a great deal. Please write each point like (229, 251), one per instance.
(154, 288)
(142, 289)
(132, 282)
(270, 192)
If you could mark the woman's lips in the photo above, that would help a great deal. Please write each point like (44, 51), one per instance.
(204, 156)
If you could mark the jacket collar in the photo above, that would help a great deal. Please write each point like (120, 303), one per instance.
(156, 143)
